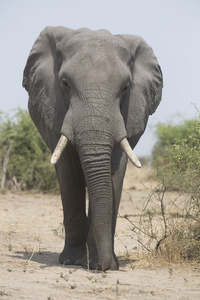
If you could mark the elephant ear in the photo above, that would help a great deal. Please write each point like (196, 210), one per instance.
(146, 89)
(46, 102)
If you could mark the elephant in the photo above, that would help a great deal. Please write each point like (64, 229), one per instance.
(90, 96)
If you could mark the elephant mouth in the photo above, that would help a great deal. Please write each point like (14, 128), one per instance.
(62, 143)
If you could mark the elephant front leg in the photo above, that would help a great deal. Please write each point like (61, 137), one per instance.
(72, 188)
(75, 238)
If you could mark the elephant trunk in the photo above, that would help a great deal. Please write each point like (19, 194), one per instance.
(96, 164)
(94, 139)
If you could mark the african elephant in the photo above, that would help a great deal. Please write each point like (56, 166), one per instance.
(90, 96)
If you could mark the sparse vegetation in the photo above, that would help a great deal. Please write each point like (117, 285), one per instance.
(181, 172)
(171, 233)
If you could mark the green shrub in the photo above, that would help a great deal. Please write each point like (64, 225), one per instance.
(29, 156)
(176, 156)
(177, 161)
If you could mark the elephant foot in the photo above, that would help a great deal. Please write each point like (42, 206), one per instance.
(72, 255)
(92, 262)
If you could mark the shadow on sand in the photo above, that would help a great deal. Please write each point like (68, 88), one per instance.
(48, 259)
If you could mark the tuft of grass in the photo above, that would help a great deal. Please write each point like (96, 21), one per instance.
(10, 247)
(73, 286)
(2, 293)
(183, 244)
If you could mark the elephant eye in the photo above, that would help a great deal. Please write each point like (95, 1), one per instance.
(65, 85)
(64, 81)
(126, 87)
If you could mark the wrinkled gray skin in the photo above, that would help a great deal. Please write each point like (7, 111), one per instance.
(95, 88)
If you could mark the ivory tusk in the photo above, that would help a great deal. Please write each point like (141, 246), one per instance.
(129, 152)
(59, 149)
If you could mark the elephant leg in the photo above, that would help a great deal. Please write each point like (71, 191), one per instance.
(72, 188)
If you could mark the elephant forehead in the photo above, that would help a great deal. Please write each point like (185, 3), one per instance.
(95, 61)
(96, 48)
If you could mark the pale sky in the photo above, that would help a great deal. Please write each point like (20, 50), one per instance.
(170, 27)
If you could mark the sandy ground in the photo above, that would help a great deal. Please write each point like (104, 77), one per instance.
(31, 238)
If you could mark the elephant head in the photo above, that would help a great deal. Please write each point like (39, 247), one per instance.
(95, 90)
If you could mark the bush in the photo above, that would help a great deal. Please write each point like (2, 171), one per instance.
(176, 156)
(183, 243)
(170, 220)
(177, 160)
(28, 166)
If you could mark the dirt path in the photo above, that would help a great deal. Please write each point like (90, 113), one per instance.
(31, 238)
